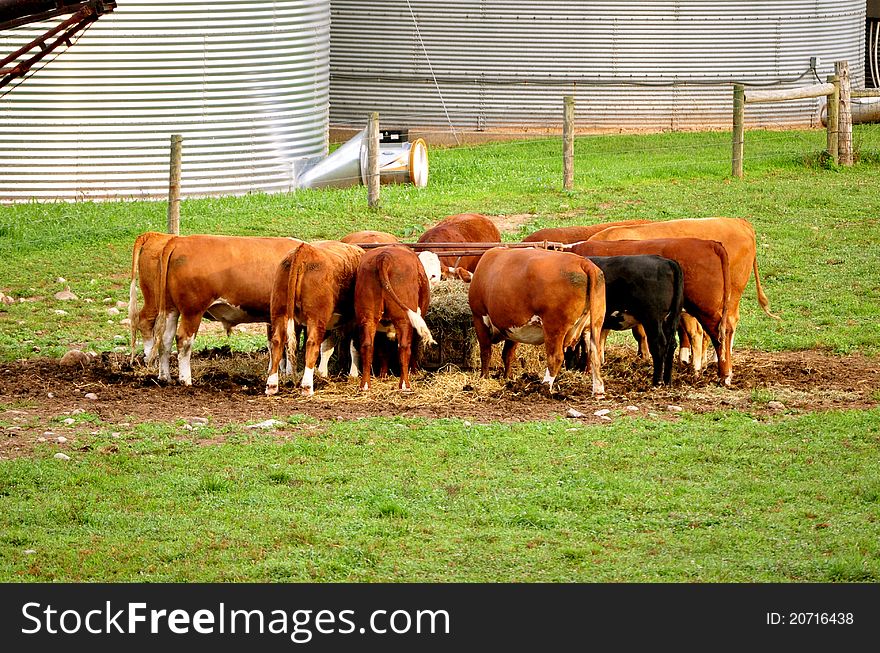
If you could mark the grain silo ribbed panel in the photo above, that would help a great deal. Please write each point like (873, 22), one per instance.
(506, 64)
(245, 83)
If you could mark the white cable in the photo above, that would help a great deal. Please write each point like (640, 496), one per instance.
(431, 68)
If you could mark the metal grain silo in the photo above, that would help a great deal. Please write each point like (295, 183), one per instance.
(245, 82)
(506, 64)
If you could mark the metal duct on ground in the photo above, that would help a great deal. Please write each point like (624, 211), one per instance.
(399, 163)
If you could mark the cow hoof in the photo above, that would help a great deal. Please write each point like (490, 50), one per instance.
(271, 390)
(728, 380)
(307, 392)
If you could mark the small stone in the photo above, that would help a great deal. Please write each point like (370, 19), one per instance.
(60, 280)
(188, 427)
(58, 311)
(75, 357)
(268, 424)
(41, 439)
(113, 311)
(605, 418)
(91, 396)
(60, 439)
(69, 421)
(65, 295)
(602, 412)
(125, 322)
(574, 414)
(115, 434)
(6, 299)
(121, 304)
(672, 408)
(77, 411)
(775, 405)
(108, 300)
(61, 456)
(49, 434)
(196, 421)
(29, 552)
(50, 395)
(467, 423)
(633, 409)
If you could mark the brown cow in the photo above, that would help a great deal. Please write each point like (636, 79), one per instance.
(575, 233)
(737, 236)
(145, 257)
(391, 294)
(313, 287)
(706, 271)
(537, 296)
(462, 228)
(366, 237)
(231, 276)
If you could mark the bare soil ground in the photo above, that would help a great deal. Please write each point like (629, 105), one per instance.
(36, 395)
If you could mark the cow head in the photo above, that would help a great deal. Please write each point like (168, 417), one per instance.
(431, 263)
(456, 273)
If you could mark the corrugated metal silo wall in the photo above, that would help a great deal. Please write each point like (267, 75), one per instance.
(631, 65)
(245, 83)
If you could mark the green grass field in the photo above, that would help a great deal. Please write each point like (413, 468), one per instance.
(717, 497)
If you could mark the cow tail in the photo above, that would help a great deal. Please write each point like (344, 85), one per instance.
(762, 298)
(415, 316)
(159, 325)
(132, 291)
(725, 276)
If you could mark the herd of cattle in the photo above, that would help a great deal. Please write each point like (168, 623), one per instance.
(566, 292)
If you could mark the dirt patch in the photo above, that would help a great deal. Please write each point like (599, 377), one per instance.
(37, 395)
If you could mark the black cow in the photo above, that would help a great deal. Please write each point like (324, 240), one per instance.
(648, 290)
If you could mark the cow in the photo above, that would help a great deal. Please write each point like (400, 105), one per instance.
(145, 256)
(368, 237)
(313, 287)
(537, 296)
(736, 234)
(230, 276)
(575, 233)
(646, 290)
(391, 294)
(706, 275)
(461, 228)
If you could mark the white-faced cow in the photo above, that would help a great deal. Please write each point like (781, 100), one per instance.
(537, 296)
(313, 287)
(391, 295)
(230, 276)
(645, 290)
(706, 275)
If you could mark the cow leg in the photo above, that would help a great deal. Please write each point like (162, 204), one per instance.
(553, 352)
(328, 346)
(279, 336)
(657, 347)
(641, 339)
(354, 369)
(404, 351)
(316, 333)
(684, 354)
(368, 336)
(186, 335)
(484, 338)
(605, 333)
(167, 341)
(691, 331)
(508, 353)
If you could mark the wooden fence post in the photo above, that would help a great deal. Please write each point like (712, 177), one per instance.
(174, 186)
(373, 160)
(844, 118)
(738, 129)
(832, 119)
(568, 143)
